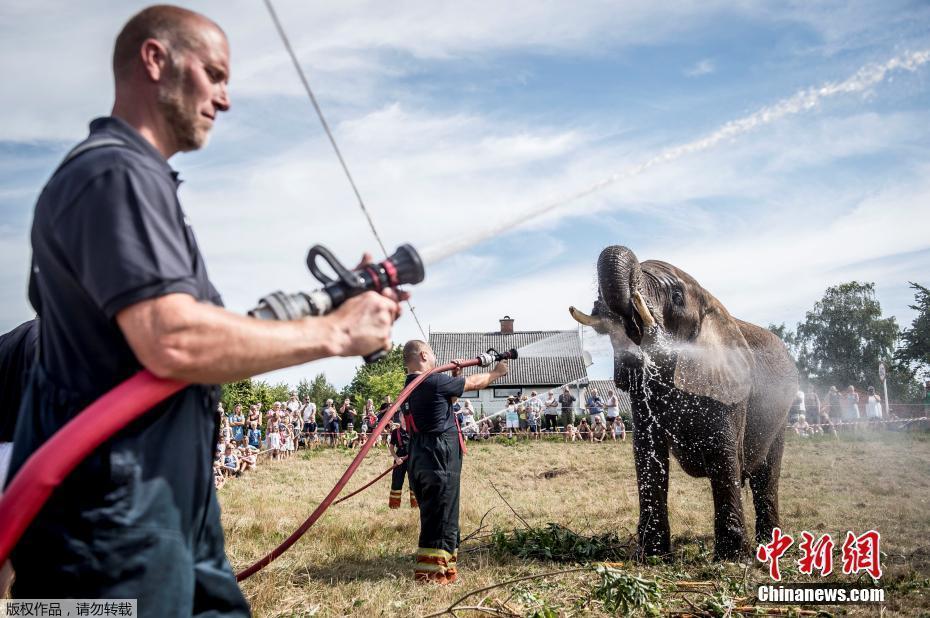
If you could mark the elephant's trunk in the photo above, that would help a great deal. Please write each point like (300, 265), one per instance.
(619, 277)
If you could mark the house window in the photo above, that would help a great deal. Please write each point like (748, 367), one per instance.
(503, 393)
(471, 395)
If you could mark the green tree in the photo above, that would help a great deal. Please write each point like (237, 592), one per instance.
(240, 392)
(374, 381)
(915, 341)
(844, 338)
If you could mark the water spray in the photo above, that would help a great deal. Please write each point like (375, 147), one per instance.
(404, 267)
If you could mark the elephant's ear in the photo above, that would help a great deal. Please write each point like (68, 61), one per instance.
(717, 363)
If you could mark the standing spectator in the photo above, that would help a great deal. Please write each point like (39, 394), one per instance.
(551, 412)
(255, 435)
(613, 410)
(873, 406)
(308, 414)
(851, 401)
(834, 404)
(225, 431)
(385, 406)
(818, 413)
(349, 415)
(521, 412)
(595, 406)
(276, 413)
(293, 405)
(567, 401)
(512, 416)
(467, 413)
(331, 425)
(237, 424)
(535, 406)
(927, 399)
(255, 415)
(533, 417)
(797, 408)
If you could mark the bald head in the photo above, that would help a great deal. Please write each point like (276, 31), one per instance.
(414, 352)
(176, 28)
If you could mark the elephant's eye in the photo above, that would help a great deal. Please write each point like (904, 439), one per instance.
(677, 298)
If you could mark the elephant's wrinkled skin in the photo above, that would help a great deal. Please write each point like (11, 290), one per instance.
(712, 390)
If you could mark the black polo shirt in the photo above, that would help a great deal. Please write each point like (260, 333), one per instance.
(109, 232)
(430, 403)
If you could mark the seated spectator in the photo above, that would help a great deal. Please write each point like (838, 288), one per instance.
(599, 431)
(470, 428)
(571, 433)
(584, 430)
(230, 461)
(219, 478)
(484, 430)
(619, 430)
(350, 439)
(249, 459)
(801, 426)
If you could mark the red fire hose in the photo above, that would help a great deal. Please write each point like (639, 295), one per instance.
(53, 461)
(78, 438)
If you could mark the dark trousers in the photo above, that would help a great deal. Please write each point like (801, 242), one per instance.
(398, 476)
(550, 421)
(435, 468)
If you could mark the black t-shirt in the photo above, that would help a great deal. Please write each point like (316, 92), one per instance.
(17, 351)
(109, 232)
(430, 403)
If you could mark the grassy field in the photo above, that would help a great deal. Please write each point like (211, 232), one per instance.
(357, 560)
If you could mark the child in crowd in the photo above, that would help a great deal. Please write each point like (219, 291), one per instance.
(619, 430)
(584, 430)
(255, 435)
(571, 433)
(273, 437)
(350, 436)
(230, 461)
(599, 431)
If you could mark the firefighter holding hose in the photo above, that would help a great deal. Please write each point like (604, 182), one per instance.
(435, 460)
(120, 285)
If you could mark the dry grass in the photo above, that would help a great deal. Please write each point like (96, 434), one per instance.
(358, 559)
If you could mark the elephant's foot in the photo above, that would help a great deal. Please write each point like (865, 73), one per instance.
(653, 542)
(729, 547)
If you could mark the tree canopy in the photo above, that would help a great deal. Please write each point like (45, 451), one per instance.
(915, 341)
(843, 339)
(374, 381)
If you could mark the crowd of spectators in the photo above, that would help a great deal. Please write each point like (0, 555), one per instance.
(293, 424)
(847, 409)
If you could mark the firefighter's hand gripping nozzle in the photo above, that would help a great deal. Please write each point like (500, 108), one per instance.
(493, 356)
(404, 267)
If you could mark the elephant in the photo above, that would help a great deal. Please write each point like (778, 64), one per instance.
(711, 389)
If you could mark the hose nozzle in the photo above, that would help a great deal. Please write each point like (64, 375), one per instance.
(493, 356)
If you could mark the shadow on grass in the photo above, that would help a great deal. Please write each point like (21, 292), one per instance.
(342, 570)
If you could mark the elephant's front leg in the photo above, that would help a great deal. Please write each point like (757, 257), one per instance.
(650, 451)
(723, 468)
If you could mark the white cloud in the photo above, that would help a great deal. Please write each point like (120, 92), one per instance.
(702, 67)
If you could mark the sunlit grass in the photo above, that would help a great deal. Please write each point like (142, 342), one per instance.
(358, 559)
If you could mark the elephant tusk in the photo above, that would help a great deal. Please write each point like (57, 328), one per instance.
(640, 305)
(582, 318)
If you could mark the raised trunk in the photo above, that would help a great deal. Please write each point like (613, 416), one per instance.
(619, 275)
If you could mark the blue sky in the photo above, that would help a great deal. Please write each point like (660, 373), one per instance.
(768, 150)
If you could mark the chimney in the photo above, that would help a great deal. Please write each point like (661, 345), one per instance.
(506, 325)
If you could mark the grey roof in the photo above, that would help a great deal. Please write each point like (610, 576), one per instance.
(555, 360)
